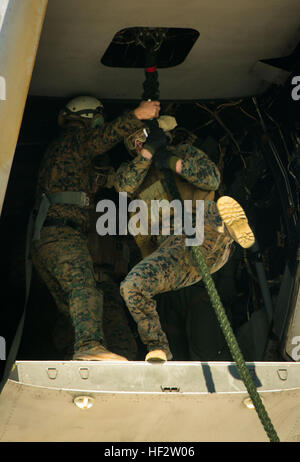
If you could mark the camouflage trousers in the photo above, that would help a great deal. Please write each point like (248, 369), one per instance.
(63, 261)
(171, 267)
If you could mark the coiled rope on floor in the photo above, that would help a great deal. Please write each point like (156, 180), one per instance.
(151, 92)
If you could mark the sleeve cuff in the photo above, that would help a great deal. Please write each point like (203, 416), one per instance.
(172, 162)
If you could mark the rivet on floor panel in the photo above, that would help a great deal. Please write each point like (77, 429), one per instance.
(84, 402)
(249, 404)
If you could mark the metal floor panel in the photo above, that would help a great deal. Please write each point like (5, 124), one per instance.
(141, 402)
(143, 377)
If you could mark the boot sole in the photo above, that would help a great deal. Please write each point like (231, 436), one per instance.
(156, 356)
(101, 356)
(236, 222)
(96, 358)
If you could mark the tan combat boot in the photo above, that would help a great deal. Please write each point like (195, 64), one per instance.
(156, 356)
(97, 353)
(235, 220)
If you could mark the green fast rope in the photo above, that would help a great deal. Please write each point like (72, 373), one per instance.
(233, 345)
(151, 91)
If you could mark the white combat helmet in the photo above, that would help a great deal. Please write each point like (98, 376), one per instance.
(84, 106)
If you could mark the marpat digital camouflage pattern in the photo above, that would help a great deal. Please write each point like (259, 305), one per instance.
(61, 256)
(171, 265)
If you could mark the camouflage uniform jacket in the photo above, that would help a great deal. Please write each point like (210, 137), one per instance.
(68, 163)
(199, 178)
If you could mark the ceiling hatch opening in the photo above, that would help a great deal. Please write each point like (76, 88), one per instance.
(170, 44)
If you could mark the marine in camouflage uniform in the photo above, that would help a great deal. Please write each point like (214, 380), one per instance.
(60, 253)
(168, 264)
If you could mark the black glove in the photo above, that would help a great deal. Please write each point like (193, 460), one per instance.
(156, 140)
(165, 159)
(161, 159)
